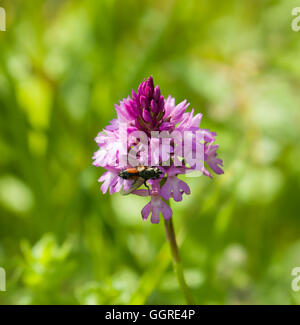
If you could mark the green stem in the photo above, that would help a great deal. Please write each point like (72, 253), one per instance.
(177, 262)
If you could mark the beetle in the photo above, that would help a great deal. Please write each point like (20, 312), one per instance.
(140, 175)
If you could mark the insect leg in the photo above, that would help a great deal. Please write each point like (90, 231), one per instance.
(145, 183)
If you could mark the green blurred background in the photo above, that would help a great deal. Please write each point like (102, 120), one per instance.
(63, 65)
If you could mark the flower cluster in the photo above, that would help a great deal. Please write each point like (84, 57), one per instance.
(148, 111)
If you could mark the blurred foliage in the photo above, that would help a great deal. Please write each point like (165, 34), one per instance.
(63, 65)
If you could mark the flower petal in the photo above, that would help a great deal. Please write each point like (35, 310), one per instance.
(146, 211)
(166, 210)
(155, 214)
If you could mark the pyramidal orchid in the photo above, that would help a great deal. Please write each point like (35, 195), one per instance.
(151, 130)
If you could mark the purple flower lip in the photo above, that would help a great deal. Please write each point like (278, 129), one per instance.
(144, 112)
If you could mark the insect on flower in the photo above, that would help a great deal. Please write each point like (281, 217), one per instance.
(144, 112)
(140, 175)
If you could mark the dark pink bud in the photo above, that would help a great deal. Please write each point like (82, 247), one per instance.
(150, 83)
(156, 93)
(154, 106)
(141, 88)
(161, 103)
(147, 116)
(134, 104)
(144, 101)
(134, 96)
(148, 92)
